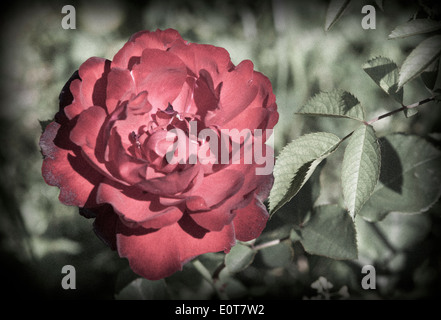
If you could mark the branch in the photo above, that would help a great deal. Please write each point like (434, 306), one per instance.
(411, 106)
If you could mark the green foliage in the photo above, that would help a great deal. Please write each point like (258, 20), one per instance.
(410, 178)
(143, 289)
(426, 53)
(277, 256)
(360, 168)
(414, 27)
(330, 232)
(337, 103)
(296, 163)
(381, 179)
(385, 74)
(239, 258)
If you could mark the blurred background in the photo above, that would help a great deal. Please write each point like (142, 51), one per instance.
(286, 41)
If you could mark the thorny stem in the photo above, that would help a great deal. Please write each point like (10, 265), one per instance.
(403, 107)
(388, 114)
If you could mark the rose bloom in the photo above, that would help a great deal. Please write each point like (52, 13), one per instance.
(106, 150)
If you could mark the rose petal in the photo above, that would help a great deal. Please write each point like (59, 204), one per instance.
(160, 39)
(65, 98)
(91, 89)
(122, 165)
(238, 91)
(136, 207)
(155, 254)
(129, 55)
(64, 167)
(250, 221)
(227, 183)
(213, 60)
(222, 214)
(162, 75)
(120, 87)
(184, 102)
(171, 184)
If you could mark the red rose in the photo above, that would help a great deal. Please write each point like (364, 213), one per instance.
(108, 150)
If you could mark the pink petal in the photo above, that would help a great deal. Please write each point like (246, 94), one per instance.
(130, 54)
(250, 221)
(171, 184)
(120, 87)
(127, 56)
(122, 165)
(136, 207)
(64, 167)
(88, 135)
(159, 39)
(161, 74)
(226, 182)
(155, 254)
(238, 91)
(223, 213)
(91, 89)
(197, 57)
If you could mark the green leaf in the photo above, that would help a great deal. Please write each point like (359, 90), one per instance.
(296, 163)
(239, 258)
(404, 231)
(276, 256)
(297, 209)
(385, 74)
(410, 177)
(143, 289)
(330, 232)
(360, 168)
(229, 287)
(337, 103)
(430, 75)
(334, 12)
(419, 59)
(414, 27)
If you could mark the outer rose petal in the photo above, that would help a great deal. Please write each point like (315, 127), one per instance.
(155, 254)
(130, 53)
(136, 207)
(91, 89)
(160, 39)
(66, 169)
(250, 221)
(253, 186)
